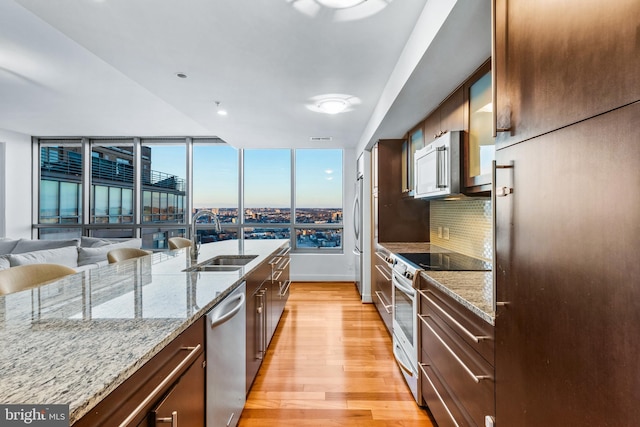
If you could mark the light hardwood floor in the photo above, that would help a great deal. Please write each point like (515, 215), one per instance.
(330, 364)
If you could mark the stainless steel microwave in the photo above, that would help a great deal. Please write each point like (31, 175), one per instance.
(437, 167)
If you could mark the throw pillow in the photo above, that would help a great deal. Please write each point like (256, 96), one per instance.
(27, 245)
(66, 256)
(97, 254)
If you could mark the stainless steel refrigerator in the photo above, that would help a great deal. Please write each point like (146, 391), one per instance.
(362, 226)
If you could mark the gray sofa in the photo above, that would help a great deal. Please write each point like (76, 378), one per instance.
(80, 254)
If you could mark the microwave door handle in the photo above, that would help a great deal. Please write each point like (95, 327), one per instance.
(441, 165)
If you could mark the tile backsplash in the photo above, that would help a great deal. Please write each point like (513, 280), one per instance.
(469, 224)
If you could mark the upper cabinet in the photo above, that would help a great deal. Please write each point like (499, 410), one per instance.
(557, 63)
(396, 218)
(479, 143)
(469, 108)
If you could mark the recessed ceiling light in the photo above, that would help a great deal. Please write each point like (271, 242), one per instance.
(333, 105)
(220, 111)
(181, 75)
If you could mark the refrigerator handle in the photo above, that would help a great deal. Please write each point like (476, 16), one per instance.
(356, 215)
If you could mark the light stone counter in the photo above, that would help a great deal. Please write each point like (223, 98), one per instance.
(473, 289)
(73, 341)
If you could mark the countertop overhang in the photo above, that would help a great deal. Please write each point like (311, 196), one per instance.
(73, 341)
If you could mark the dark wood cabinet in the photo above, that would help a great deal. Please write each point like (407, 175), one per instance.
(266, 295)
(279, 287)
(562, 62)
(451, 112)
(179, 405)
(568, 89)
(456, 360)
(381, 285)
(398, 218)
(479, 143)
(257, 297)
(567, 276)
(180, 365)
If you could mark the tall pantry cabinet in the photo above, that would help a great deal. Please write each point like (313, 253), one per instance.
(568, 229)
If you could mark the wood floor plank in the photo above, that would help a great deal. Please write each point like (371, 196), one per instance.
(330, 364)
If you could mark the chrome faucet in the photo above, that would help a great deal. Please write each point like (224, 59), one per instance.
(195, 245)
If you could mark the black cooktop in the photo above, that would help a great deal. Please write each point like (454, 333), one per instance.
(446, 261)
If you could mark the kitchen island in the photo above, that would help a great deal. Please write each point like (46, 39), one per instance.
(75, 340)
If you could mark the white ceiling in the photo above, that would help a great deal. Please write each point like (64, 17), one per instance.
(107, 67)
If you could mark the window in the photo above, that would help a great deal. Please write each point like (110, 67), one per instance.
(318, 201)
(286, 194)
(163, 181)
(112, 171)
(215, 180)
(60, 183)
(267, 186)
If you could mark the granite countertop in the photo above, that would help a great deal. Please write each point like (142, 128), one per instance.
(473, 289)
(73, 341)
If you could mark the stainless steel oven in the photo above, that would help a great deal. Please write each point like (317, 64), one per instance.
(405, 324)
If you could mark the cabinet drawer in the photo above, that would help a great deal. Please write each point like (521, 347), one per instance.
(121, 402)
(382, 290)
(468, 376)
(438, 399)
(477, 333)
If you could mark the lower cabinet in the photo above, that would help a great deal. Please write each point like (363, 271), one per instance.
(279, 284)
(178, 406)
(382, 287)
(456, 360)
(267, 293)
(169, 385)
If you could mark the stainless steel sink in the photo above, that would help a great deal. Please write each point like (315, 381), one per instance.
(223, 263)
(215, 268)
(231, 260)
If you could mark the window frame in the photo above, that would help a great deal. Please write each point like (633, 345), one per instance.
(139, 227)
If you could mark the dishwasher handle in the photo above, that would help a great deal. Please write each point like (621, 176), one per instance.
(228, 315)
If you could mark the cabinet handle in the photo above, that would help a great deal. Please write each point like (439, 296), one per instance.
(233, 414)
(386, 306)
(286, 286)
(261, 323)
(168, 380)
(494, 75)
(504, 191)
(474, 377)
(286, 264)
(173, 419)
(433, 387)
(386, 259)
(276, 275)
(384, 273)
(473, 337)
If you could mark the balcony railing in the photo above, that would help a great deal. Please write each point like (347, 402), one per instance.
(55, 161)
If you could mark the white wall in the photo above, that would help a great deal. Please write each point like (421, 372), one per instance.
(15, 172)
(330, 267)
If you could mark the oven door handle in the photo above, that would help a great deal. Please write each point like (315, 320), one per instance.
(402, 362)
(403, 288)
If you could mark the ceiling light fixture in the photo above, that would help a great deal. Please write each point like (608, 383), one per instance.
(221, 111)
(181, 75)
(340, 4)
(333, 105)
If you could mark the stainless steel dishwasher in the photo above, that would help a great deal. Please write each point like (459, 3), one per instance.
(226, 348)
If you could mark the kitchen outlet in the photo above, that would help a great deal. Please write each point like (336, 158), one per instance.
(445, 233)
(440, 232)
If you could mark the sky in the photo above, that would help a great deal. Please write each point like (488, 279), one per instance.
(267, 175)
